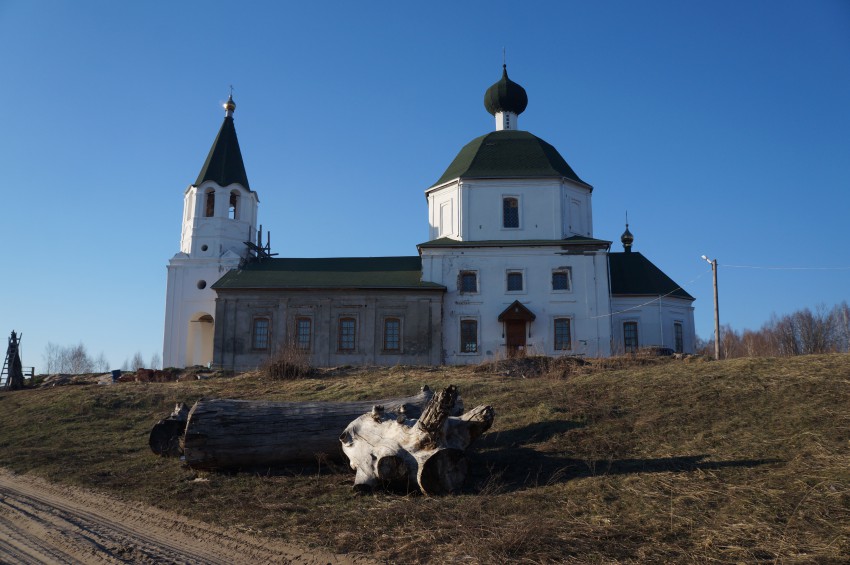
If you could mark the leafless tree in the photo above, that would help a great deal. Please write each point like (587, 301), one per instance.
(101, 364)
(155, 361)
(138, 361)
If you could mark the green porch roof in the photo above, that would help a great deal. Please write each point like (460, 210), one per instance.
(509, 154)
(329, 273)
(634, 274)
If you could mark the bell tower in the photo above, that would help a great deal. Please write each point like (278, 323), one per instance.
(219, 217)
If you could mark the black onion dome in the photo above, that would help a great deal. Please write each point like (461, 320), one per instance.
(505, 96)
(627, 239)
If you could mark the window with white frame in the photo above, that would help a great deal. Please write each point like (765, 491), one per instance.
(467, 282)
(678, 337)
(469, 336)
(514, 281)
(630, 336)
(562, 280)
(563, 334)
(510, 212)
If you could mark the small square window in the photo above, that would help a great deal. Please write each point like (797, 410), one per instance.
(561, 280)
(468, 281)
(514, 281)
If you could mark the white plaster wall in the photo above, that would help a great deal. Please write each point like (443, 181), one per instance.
(446, 198)
(655, 318)
(587, 304)
(209, 247)
(545, 209)
(185, 301)
(219, 232)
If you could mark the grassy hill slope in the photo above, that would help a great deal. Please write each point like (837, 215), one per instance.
(745, 460)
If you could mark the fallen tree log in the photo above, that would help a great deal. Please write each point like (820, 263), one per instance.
(233, 434)
(389, 445)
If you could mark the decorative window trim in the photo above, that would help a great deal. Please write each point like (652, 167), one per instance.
(569, 273)
(523, 281)
(570, 334)
(385, 335)
(339, 335)
(256, 337)
(518, 200)
(463, 344)
(460, 279)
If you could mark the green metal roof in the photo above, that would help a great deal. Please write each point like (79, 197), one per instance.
(224, 163)
(632, 273)
(576, 240)
(509, 154)
(329, 273)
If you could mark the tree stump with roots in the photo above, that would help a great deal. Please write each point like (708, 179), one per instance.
(384, 446)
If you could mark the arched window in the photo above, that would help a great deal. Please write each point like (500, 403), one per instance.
(510, 213)
(209, 204)
(233, 209)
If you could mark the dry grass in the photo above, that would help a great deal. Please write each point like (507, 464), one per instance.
(603, 461)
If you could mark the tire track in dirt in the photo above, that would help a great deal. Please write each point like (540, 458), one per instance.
(42, 522)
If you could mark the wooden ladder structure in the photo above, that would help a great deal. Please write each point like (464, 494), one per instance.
(12, 375)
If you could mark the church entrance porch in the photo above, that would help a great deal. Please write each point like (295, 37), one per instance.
(515, 337)
(516, 318)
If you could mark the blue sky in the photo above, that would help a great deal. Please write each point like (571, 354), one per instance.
(722, 127)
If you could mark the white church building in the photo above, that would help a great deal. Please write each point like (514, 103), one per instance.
(511, 267)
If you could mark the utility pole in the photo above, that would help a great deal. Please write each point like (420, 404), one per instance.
(713, 263)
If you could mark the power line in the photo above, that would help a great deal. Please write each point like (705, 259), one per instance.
(656, 299)
(786, 268)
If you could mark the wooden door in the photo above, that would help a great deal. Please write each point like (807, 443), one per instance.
(515, 332)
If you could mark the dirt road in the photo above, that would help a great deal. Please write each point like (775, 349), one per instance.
(41, 522)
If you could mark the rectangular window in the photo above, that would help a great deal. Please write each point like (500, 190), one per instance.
(678, 337)
(347, 334)
(563, 339)
(510, 212)
(468, 281)
(630, 336)
(392, 334)
(514, 281)
(260, 335)
(561, 279)
(469, 336)
(303, 332)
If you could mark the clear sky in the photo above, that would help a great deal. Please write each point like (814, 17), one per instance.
(723, 128)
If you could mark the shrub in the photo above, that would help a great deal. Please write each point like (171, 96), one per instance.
(289, 362)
